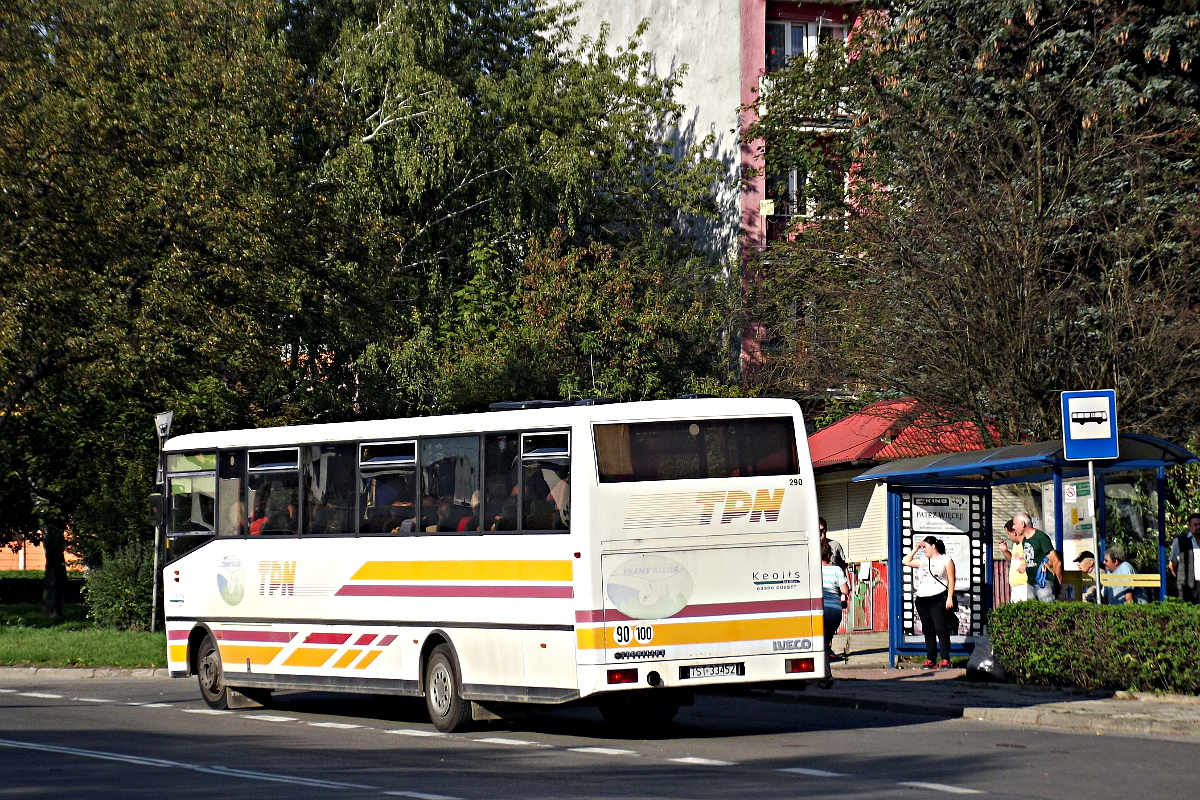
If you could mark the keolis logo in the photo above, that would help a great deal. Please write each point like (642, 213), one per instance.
(763, 506)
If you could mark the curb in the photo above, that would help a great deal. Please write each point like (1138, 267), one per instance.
(1083, 721)
(71, 673)
(860, 704)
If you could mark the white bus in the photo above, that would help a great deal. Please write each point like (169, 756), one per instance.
(617, 554)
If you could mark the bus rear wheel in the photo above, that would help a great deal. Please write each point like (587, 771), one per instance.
(210, 674)
(443, 692)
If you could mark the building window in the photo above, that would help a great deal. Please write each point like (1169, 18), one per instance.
(786, 40)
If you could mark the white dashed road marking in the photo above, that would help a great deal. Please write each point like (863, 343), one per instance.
(270, 718)
(516, 742)
(413, 732)
(91, 700)
(814, 773)
(341, 726)
(422, 796)
(706, 762)
(940, 787)
(603, 751)
(41, 694)
(202, 711)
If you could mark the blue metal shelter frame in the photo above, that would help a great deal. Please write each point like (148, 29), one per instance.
(1025, 463)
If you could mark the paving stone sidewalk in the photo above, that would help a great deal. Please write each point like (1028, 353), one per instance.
(863, 680)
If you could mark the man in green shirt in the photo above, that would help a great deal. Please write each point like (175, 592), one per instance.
(1038, 546)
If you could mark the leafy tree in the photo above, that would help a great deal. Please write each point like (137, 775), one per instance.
(1020, 216)
(468, 131)
(144, 148)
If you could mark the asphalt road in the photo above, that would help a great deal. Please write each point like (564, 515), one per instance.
(153, 738)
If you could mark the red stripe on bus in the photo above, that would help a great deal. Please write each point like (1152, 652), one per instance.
(385, 641)
(255, 636)
(176, 636)
(366, 638)
(711, 610)
(392, 590)
(326, 638)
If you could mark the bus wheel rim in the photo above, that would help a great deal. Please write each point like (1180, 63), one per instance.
(440, 689)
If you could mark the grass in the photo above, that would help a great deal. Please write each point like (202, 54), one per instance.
(19, 573)
(27, 640)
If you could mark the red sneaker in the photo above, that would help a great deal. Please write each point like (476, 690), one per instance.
(928, 665)
(944, 665)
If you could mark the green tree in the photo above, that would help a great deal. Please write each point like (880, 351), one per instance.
(146, 189)
(468, 131)
(1020, 216)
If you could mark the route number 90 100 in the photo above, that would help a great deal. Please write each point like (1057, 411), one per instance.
(628, 634)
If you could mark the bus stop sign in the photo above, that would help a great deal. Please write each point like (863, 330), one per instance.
(1089, 425)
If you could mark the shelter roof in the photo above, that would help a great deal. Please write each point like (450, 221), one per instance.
(1026, 462)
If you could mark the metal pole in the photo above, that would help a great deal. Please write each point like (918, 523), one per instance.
(1095, 526)
(162, 427)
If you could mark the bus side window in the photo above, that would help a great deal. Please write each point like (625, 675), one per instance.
(546, 459)
(450, 484)
(231, 507)
(501, 475)
(273, 491)
(328, 488)
(388, 487)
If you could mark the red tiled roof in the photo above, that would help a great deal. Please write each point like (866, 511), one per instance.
(890, 429)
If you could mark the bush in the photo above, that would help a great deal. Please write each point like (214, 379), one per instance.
(1099, 647)
(120, 591)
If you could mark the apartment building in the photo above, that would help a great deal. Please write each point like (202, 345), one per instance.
(729, 46)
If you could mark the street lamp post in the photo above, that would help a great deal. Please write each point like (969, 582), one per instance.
(162, 426)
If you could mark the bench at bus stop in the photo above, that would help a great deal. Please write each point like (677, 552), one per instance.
(1077, 582)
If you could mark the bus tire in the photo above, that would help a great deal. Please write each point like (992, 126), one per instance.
(443, 692)
(211, 675)
(634, 711)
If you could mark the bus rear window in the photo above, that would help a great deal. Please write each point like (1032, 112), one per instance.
(690, 449)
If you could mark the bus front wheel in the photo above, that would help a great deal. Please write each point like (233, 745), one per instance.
(211, 676)
(443, 692)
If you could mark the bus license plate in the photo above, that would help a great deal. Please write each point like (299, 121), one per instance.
(712, 670)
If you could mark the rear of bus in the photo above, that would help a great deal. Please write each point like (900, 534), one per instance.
(704, 551)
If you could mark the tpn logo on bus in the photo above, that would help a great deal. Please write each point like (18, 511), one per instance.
(763, 506)
(650, 587)
(779, 579)
(229, 580)
(277, 577)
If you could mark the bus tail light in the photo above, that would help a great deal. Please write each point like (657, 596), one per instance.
(794, 665)
(622, 676)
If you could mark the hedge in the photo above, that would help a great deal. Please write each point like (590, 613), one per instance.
(1143, 647)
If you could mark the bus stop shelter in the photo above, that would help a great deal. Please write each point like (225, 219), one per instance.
(950, 496)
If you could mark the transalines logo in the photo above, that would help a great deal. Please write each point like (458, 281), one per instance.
(229, 580)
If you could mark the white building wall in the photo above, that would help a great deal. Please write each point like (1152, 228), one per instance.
(705, 35)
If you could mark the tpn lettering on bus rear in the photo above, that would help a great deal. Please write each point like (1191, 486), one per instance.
(763, 506)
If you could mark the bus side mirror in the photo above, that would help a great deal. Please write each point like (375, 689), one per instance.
(157, 509)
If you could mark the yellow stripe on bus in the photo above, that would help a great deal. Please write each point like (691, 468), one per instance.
(346, 658)
(464, 571)
(367, 659)
(177, 652)
(734, 630)
(258, 654)
(310, 657)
